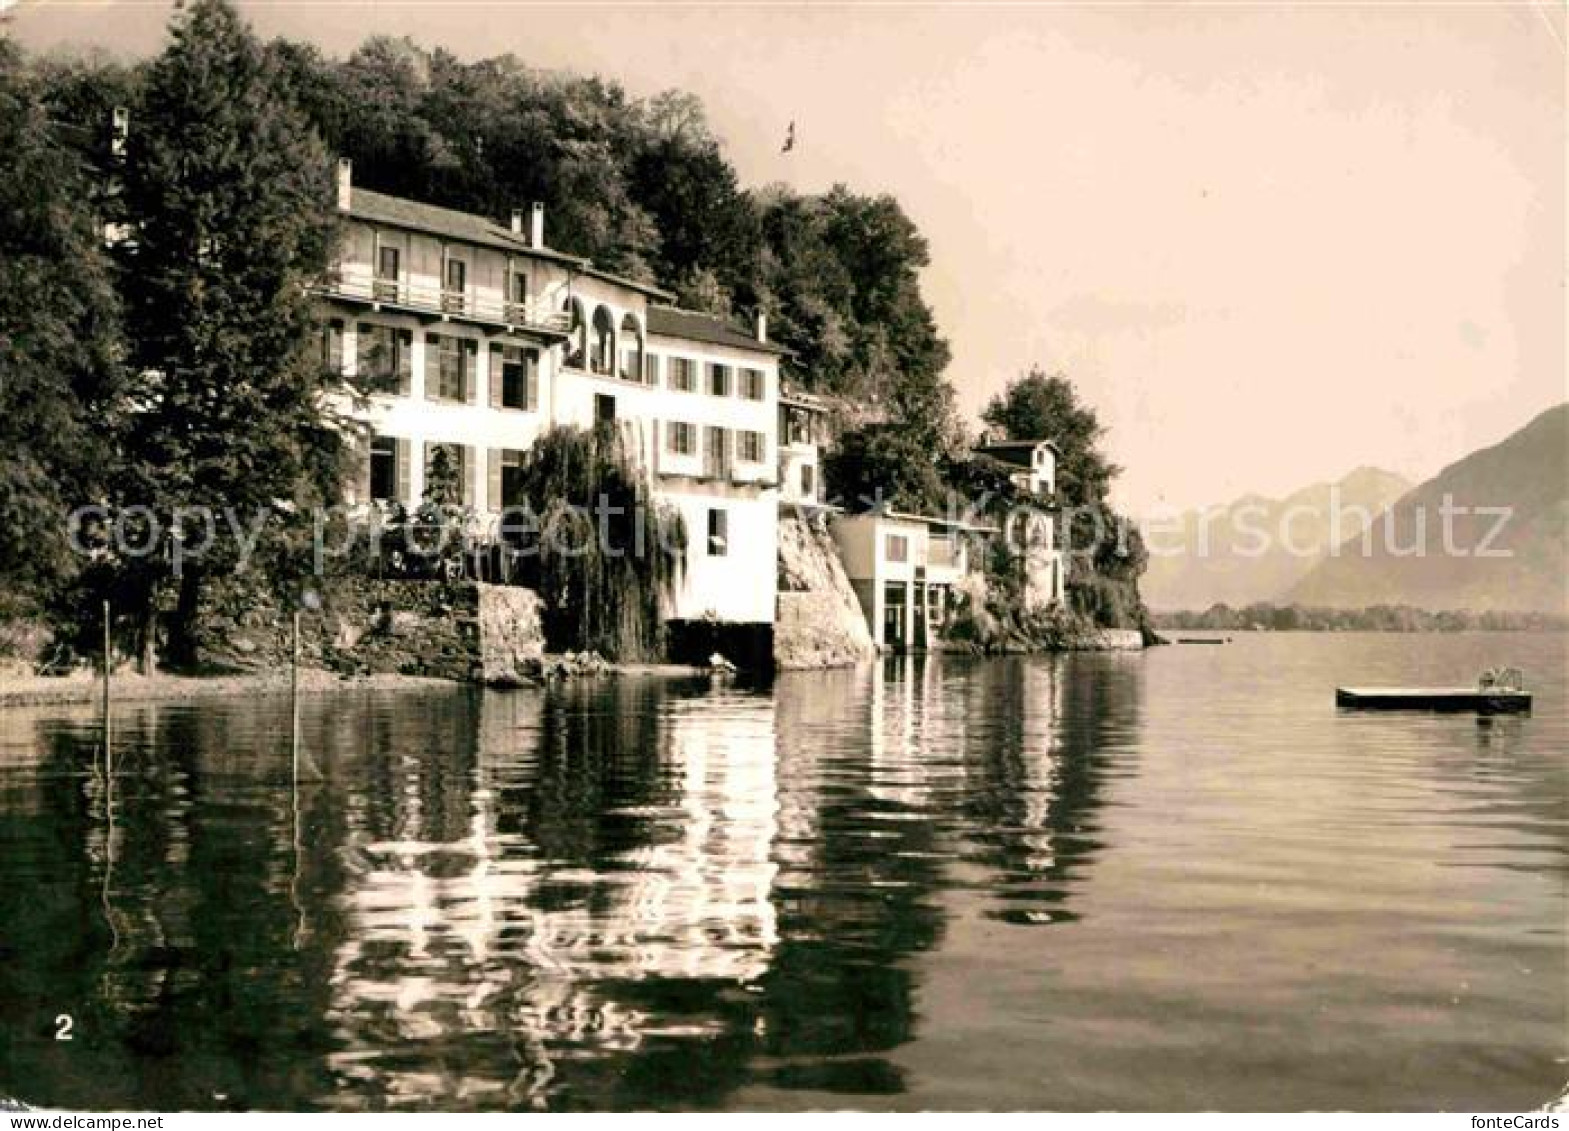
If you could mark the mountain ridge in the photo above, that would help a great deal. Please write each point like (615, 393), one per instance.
(1205, 562)
(1504, 546)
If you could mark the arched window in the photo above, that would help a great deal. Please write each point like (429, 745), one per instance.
(631, 349)
(602, 356)
(577, 331)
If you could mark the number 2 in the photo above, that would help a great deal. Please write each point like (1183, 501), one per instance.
(63, 1023)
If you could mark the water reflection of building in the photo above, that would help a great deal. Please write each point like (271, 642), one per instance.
(1037, 771)
(603, 840)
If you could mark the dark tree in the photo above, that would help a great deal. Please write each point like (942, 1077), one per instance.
(230, 194)
(59, 339)
(883, 465)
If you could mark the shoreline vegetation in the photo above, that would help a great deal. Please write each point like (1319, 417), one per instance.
(1265, 617)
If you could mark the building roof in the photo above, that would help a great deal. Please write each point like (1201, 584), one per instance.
(888, 514)
(379, 208)
(800, 398)
(1014, 445)
(1019, 453)
(695, 326)
(651, 289)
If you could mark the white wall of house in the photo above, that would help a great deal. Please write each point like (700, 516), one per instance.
(737, 584)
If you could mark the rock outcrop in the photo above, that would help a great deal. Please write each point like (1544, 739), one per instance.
(818, 620)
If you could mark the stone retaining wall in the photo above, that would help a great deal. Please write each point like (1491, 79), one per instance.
(818, 622)
(448, 630)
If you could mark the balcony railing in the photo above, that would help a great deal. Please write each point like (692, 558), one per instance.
(436, 299)
(942, 553)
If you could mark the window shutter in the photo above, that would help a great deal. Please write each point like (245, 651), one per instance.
(432, 371)
(493, 479)
(493, 377)
(405, 362)
(362, 468)
(471, 371)
(403, 470)
(466, 469)
(651, 368)
(531, 380)
(335, 347)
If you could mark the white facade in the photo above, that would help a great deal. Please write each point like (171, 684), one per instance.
(903, 569)
(800, 439)
(455, 332)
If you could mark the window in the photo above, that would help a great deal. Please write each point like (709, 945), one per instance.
(683, 374)
(651, 369)
(808, 480)
(604, 409)
(577, 340)
(681, 438)
(382, 358)
(753, 384)
(898, 548)
(631, 339)
(450, 367)
(750, 446)
(453, 297)
(797, 426)
(719, 379)
(716, 453)
(517, 291)
(602, 345)
(718, 532)
(387, 264)
(511, 378)
(505, 473)
(384, 469)
(447, 479)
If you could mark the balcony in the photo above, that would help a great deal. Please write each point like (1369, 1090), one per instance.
(436, 302)
(942, 553)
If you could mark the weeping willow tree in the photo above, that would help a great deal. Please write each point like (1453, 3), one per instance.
(605, 557)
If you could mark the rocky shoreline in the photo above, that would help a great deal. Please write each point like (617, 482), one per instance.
(86, 687)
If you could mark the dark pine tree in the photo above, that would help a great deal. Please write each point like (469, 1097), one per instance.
(230, 195)
(59, 341)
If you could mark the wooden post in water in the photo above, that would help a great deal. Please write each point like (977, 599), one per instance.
(108, 666)
(294, 696)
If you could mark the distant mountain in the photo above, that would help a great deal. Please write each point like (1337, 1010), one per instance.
(1509, 550)
(1255, 548)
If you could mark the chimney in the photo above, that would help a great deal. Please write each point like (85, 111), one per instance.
(119, 130)
(536, 225)
(345, 184)
(762, 325)
(517, 221)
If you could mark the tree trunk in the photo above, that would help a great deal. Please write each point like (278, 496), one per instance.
(149, 631)
(182, 636)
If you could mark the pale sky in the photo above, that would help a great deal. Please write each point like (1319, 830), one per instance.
(1269, 244)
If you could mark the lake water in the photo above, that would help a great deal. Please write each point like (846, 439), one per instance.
(1162, 881)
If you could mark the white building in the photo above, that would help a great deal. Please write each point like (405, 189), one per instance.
(801, 436)
(903, 568)
(1032, 532)
(453, 331)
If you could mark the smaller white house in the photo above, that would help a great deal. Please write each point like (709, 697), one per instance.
(802, 425)
(1032, 533)
(903, 568)
(1033, 463)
